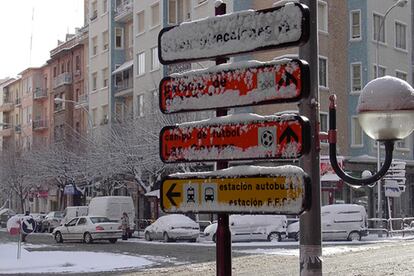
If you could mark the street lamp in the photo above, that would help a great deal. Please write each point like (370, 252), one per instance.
(60, 100)
(386, 114)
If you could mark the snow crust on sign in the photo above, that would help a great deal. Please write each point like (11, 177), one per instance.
(240, 71)
(233, 172)
(239, 119)
(232, 33)
(386, 94)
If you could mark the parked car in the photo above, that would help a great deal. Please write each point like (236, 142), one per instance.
(88, 229)
(51, 221)
(5, 214)
(339, 222)
(113, 207)
(38, 218)
(253, 227)
(173, 227)
(74, 211)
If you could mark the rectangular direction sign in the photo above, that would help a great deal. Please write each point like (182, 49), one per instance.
(286, 190)
(236, 137)
(235, 33)
(235, 84)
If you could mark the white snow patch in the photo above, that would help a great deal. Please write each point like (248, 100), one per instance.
(64, 261)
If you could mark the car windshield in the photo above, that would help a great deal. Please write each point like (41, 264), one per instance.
(59, 214)
(99, 219)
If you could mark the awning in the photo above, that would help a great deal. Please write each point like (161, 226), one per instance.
(124, 66)
(154, 193)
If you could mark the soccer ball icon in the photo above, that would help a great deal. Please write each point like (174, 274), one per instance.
(267, 138)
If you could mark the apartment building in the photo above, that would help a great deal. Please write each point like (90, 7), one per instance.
(378, 41)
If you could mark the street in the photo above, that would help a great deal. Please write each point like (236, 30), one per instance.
(255, 258)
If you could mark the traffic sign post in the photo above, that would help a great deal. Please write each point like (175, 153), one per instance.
(236, 137)
(243, 190)
(234, 85)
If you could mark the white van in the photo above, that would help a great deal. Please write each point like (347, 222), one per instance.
(71, 212)
(339, 222)
(112, 207)
(253, 227)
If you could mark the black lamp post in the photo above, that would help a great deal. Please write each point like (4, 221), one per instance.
(386, 114)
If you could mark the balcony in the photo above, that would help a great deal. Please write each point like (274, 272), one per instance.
(7, 130)
(123, 12)
(62, 79)
(39, 94)
(18, 102)
(40, 124)
(94, 15)
(7, 105)
(82, 100)
(124, 87)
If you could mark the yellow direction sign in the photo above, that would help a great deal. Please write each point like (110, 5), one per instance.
(280, 190)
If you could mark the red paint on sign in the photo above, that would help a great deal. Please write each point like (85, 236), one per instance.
(267, 139)
(249, 84)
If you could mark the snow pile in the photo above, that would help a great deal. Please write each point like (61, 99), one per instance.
(385, 94)
(232, 33)
(64, 261)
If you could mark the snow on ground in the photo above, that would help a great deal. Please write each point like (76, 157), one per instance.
(65, 261)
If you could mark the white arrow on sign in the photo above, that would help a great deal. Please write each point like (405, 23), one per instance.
(28, 225)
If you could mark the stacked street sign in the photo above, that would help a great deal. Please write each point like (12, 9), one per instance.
(395, 179)
(245, 189)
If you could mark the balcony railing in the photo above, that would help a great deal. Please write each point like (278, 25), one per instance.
(7, 106)
(39, 124)
(62, 79)
(18, 128)
(83, 99)
(39, 93)
(18, 101)
(123, 12)
(6, 130)
(123, 85)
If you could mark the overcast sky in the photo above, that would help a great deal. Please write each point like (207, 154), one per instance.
(52, 20)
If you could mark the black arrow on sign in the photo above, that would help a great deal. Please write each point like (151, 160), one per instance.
(171, 194)
(288, 134)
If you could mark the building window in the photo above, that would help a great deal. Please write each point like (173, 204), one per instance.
(105, 6)
(401, 144)
(105, 40)
(155, 15)
(77, 63)
(377, 22)
(94, 10)
(94, 116)
(323, 117)
(355, 24)
(119, 38)
(105, 77)
(323, 72)
(401, 75)
(178, 11)
(68, 67)
(400, 36)
(381, 72)
(356, 74)
(141, 63)
(94, 46)
(140, 110)
(94, 81)
(141, 22)
(105, 117)
(155, 100)
(155, 64)
(356, 132)
(322, 16)
(54, 72)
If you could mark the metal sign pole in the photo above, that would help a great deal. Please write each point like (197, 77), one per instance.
(310, 222)
(223, 235)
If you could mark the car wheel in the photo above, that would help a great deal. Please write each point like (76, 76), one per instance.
(214, 238)
(58, 237)
(87, 238)
(354, 236)
(148, 236)
(166, 238)
(297, 236)
(274, 236)
(113, 240)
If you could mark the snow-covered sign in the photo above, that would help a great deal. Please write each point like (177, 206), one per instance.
(235, 84)
(236, 137)
(245, 189)
(235, 33)
(392, 188)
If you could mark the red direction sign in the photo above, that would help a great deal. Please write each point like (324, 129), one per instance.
(235, 84)
(236, 137)
(235, 33)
